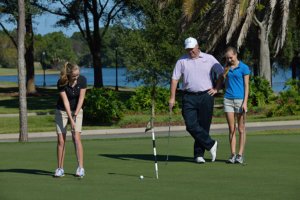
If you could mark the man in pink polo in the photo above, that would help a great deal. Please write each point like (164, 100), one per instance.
(196, 69)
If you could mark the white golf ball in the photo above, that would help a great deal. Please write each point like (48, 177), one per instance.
(141, 177)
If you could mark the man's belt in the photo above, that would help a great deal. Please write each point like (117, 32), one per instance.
(195, 93)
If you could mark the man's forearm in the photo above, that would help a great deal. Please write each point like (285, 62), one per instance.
(173, 88)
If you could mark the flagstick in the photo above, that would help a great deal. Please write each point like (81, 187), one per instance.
(154, 153)
(150, 126)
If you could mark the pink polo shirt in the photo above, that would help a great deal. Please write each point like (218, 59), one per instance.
(197, 72)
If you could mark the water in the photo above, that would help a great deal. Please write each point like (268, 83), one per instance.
(279, 77)
(109, 78)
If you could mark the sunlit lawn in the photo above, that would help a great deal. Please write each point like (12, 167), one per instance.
(113, 167)
(14, 71)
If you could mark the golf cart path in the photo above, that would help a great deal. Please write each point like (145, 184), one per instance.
(160, 131)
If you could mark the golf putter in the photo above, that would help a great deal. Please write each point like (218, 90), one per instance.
(169, 134)
(73, 133)
(244, 139)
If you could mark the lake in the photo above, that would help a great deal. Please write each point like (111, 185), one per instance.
(280, 75)
(109, 78)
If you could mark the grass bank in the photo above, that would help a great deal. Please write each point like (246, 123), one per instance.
(14, 71)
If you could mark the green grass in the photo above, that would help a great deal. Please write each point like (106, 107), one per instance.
(113, 167)
(8, 84)
(35, 124)
(45, 123)
(8, 71)
(42, 123)
(43, 102)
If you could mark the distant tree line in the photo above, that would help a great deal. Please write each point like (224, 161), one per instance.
(58, 48)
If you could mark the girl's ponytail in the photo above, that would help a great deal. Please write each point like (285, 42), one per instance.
(65, 72)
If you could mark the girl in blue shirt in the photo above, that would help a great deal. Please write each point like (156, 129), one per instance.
(236, 75)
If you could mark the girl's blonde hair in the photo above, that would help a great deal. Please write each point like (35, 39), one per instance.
(227, 67)
(65, 73)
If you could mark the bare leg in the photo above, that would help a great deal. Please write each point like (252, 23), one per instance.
(242, 134)
(61, 142)
(232, 129)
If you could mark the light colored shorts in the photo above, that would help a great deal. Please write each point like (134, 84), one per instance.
(233, 105)
(61, 120)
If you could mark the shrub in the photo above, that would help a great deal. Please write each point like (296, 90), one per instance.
(141, 101)
(260, 92)
(218, 113)
(102, 106)
(288, 101)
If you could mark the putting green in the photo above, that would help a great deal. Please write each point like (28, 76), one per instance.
(113, 169)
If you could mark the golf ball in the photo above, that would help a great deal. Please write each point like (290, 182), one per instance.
(141, 177)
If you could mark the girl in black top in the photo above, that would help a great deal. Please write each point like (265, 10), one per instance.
(72, 89)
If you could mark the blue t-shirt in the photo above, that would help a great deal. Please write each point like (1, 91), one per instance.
(234, 82)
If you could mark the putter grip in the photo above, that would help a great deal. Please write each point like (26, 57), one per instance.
(74, 119)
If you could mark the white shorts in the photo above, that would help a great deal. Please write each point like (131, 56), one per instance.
(233, 105)
(61, 120)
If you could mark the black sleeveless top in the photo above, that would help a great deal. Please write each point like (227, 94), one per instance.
(72, 93)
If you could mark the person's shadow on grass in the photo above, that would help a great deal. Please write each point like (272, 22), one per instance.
(28, 171)
(172, 158)
(150, 157)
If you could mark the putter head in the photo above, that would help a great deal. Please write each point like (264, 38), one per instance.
(148, 127)
(170, 109)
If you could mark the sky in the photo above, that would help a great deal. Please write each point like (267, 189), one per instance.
(45, 24)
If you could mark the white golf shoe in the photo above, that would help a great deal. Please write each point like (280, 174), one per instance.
(59, 172)
(239, 159)
(213, 151)
(80, 172)
(231, 159)
(199, 160)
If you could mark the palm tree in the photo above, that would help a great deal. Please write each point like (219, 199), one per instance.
(230, 20)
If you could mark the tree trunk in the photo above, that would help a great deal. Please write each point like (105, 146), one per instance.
(29, 58)
(98, 80)
(96, 53)
(264, 54)
(295, 64)
(23, 137)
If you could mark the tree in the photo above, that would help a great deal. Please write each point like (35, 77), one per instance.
(9, 8)
(58, 49)
(293, 52)
(23, 137)
(87, 16)
(8, 52)
(153, 47)
(112, 45)
(29, 49)
(230, 21)
(81, 49)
